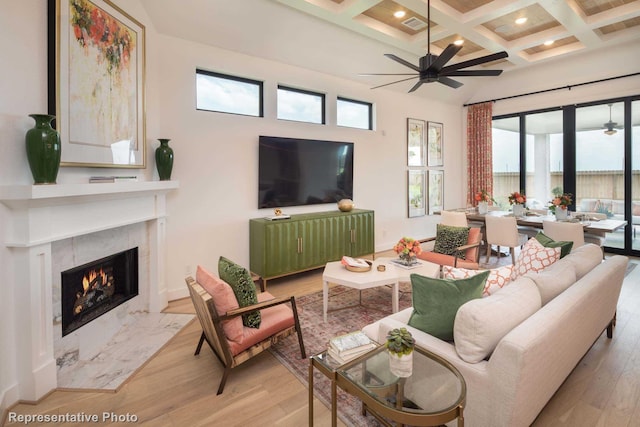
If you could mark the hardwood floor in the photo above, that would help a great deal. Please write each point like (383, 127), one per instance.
(176, 388)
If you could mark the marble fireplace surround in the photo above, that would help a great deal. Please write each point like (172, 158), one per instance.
(41, 216)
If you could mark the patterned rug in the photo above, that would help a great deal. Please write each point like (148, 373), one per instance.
(376, 304)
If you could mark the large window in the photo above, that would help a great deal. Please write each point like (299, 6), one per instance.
(354, 114)
(300, 105)
(506, 158)
(228, 94)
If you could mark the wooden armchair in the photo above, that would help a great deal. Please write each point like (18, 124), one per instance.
(222, 328)
(471, 252)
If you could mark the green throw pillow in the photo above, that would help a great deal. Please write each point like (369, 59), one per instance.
(548, 242)
(448, 238)
(243, 287)
(436, 302)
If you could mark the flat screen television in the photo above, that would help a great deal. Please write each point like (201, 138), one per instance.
(295, 172)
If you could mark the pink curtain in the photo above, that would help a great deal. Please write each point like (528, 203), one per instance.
(479, 156)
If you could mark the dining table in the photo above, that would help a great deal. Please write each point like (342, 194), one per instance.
(591, 225)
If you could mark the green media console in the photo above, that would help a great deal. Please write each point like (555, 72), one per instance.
(307, 241)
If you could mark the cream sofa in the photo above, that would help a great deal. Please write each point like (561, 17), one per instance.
(516, 347)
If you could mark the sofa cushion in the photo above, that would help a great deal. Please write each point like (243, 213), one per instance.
(243, 287)
(554, 280)
(534, 257)
(498, 277)
(448, 238)
(548, 242)
(436, 301)
(480, 324)
(224, 300)
(585, 258)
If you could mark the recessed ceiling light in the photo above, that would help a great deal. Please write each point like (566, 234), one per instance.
(399, 14)
(548, 43)
(521, 21)
(459, 42)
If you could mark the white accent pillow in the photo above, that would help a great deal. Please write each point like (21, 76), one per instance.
(480, 324)
(534, 257)
(498, 277)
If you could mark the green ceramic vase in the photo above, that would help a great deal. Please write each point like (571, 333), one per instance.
(164, 160)
(43, 150)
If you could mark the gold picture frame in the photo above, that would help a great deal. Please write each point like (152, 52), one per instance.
(97, 64)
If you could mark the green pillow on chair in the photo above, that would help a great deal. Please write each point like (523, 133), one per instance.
(243, 287)
(448, 238)
(436, 302)
(548, 242)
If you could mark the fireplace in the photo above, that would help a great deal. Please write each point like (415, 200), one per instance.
(92, 289)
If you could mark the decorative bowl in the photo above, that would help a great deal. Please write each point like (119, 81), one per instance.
(360, 269)
(345, 205)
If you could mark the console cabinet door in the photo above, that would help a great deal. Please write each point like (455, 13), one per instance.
(361, 234)
(281, 247)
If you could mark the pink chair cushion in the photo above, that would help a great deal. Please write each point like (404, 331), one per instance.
(224, 300)
(274, 320)
(474, 237)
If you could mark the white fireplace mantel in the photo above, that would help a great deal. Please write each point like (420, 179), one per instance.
(41, 214)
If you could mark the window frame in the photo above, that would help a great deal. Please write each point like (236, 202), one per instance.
(323, 102)
(258, 83)
(355, 101)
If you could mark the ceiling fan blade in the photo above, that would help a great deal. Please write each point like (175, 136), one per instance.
(472, 73)
(388, 74)
(449, 82)
(402, 61)
(416, 86)
(477, 61)
(399, 81)
(444, 57)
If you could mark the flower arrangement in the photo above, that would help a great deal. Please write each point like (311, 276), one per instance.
(561, 201)
(517, 198)
(483, 196)
(408, 249)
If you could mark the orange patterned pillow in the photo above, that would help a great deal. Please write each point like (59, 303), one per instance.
(498, 277)
(534, 257)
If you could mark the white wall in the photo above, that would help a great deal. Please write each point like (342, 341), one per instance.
(215, 154)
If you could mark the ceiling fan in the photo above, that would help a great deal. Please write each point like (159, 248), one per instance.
(611, 126)
(432, 67)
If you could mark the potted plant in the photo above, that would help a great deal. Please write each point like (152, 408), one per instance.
(400, 345)
(517, 199)
(483, 198)
(408, 250)
(560, 204)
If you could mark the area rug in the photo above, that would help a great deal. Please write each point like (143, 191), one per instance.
(376, 303)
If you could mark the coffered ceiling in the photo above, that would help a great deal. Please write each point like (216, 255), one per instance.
(551, 28)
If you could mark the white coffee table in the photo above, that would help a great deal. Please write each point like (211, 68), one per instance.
(335, 272)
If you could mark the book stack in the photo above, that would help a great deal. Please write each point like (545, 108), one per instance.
(97, 179)
(349, 346)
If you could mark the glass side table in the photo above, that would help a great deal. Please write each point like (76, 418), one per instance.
(434, 394)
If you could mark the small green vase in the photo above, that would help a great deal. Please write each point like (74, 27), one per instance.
(164, 160)
(43, 150)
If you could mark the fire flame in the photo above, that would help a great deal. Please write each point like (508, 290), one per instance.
(87, 279)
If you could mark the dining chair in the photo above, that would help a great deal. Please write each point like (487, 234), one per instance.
(503, 231)
(566, 231)
(456, 219)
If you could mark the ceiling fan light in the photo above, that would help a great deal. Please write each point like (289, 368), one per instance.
(399, 14)
(521, 20)
(610, 132)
